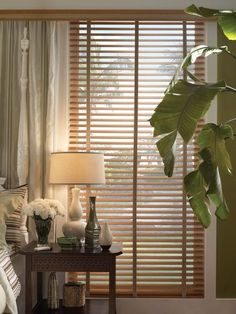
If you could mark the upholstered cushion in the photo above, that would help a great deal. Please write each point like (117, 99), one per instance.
(11, 202)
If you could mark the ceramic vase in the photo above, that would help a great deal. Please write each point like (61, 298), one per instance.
(43, 227)
(75, 210)
(92, 229)
(75, 226)
(105, 238)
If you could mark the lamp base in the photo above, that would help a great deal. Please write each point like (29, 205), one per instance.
(75, 228)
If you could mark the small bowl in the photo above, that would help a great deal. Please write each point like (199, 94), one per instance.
(67, 242)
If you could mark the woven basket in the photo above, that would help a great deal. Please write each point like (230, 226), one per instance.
(74, 294)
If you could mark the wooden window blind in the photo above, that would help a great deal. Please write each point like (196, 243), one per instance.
(119, 71)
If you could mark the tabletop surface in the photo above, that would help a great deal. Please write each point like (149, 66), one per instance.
(115, 250)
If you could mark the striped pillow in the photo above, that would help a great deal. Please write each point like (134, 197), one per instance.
(13, 220)
(6, 264)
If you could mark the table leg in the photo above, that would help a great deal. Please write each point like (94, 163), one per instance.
(87, 284)
(112, 287)
(28, 286)
(39, 287)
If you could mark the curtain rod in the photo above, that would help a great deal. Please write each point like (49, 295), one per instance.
(147, 15)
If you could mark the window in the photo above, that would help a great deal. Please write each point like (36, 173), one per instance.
(118, 73)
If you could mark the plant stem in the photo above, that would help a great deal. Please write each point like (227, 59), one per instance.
(230, 88)
(231, 120)
(231, 54)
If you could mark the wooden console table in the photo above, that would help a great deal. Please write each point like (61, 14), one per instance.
(78, 259)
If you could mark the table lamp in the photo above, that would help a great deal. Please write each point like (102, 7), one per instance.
(76, 168)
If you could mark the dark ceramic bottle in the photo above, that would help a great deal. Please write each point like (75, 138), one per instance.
(92, 229)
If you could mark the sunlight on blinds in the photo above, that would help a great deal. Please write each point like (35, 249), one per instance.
(119, 71)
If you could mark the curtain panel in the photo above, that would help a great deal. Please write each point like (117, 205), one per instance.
(43, 98)
(43, 63)
(32, 127)
(10, 72)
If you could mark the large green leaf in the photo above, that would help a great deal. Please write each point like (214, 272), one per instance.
(210, 173)
(165, 147)
(179, 112)
(196, 52)
(201, 11)
(215, 194)
(182, 107)
(212, 137)
(199, 51)
(228, 25)
(196, 193)
(226, 18)
(215, 158)
(204, 184)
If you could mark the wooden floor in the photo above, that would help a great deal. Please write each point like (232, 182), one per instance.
(91, 307)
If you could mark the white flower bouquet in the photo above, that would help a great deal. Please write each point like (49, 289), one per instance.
(45, 208)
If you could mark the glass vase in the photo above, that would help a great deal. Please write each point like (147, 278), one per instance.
(43, 227)
(92, 229)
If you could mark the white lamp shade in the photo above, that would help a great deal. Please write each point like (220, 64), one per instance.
(77, 168)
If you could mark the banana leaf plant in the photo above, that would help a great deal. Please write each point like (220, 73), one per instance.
(184, 103)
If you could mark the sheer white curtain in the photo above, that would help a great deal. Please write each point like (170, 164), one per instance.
(43, 113)
(48, 103)
(46, 61)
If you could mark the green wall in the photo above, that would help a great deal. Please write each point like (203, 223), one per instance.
(226, 231)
